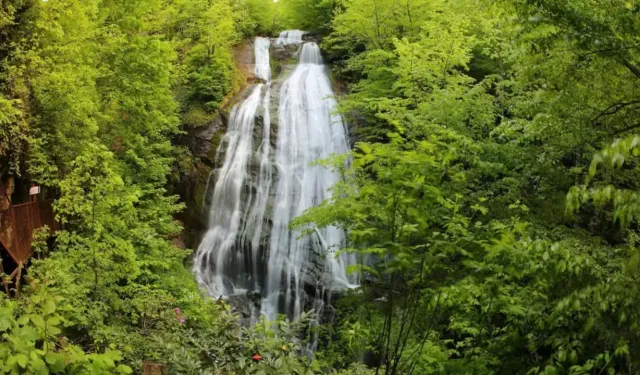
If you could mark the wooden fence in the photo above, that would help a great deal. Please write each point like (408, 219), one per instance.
(17, 225)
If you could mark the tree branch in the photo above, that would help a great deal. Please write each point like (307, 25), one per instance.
(634, 69)
(615, 108)
(625, 129)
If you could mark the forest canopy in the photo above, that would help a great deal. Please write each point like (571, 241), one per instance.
(492, 194)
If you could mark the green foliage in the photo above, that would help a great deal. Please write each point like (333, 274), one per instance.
(207, 79)
(475, 119)
(310, 15)
(623, 202)
(30, 330)
(269, 17)
(13, 135)
(203, 33)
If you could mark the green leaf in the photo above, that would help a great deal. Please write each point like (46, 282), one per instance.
(22, 360)
(53, 321)
(24, 319)
(49, 307)
(56, 361)
(37, 320)
(28, 333)
(364, 147)
(53, 330)
(38, 366)
(6, 320)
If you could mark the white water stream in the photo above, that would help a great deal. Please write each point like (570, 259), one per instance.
(259, 190)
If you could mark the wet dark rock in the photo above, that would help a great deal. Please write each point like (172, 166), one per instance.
(247, 306)
(205, 141)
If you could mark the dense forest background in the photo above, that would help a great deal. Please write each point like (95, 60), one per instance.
(492, 195)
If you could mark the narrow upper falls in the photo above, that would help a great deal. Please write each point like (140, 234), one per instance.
(267, 177)
(261, 53)
(289, 37)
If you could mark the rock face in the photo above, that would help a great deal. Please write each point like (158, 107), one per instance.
(247, 306)
(245, 62)
(191, 186)
(203, 144)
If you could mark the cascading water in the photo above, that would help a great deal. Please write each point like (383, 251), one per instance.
(261, 53)
(258, 190)
(227, 261)
(290, 37)
(308, 131)
(221, 265)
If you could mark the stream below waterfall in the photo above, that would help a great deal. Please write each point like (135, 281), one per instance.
(266, 177)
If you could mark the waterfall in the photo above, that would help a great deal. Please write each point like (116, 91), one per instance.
(261, 51)
(290, 37)
(259, 189)
(308, 130)
(223, 267)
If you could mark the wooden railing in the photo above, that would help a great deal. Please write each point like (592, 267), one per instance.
(17, 225)
(16, 232)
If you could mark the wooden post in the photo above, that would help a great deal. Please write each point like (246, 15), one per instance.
(18, 277)
(14, 240)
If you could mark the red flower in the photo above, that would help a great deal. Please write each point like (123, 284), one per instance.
(257, 358)
(180, 318)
